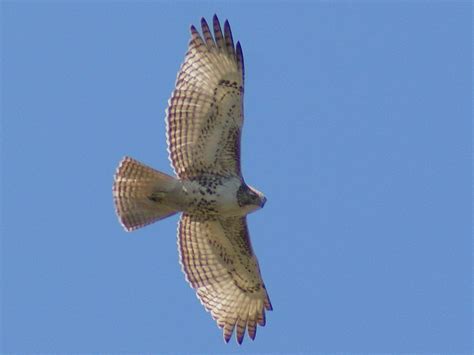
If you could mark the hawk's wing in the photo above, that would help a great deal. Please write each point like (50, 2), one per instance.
(205, 112)
(217, 258)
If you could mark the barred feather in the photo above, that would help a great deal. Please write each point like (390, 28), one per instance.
(133, 190)
(205, 112)
(218, 261)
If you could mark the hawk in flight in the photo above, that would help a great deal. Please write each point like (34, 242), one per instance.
(204, 124)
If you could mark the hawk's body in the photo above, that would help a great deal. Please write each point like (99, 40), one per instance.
(204, 125)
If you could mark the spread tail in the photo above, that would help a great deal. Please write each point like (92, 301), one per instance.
(140, 194)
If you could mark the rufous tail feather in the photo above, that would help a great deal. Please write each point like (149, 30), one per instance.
(139, 193)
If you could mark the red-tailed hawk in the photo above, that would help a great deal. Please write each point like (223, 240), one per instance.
(204, 124)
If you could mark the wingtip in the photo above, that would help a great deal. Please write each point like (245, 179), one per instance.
(262, 319)
(240, 54)
(216, 23)
(240, 330)
(228, 38)
(252, 330)
(268, 305)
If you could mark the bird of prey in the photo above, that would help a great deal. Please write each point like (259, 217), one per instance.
(204, 125)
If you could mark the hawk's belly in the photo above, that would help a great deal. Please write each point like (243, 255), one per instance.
(212, 195)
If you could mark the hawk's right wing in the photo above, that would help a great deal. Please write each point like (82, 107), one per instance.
(217, 258)
(205, 112)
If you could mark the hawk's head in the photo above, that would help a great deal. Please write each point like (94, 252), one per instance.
(250, 198)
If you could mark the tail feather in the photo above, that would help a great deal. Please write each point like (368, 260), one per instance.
(139, 193)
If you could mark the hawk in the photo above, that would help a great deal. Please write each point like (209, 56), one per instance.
(204, 125)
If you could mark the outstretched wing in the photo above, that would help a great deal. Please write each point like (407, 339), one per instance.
(217, 258)
(205, 112)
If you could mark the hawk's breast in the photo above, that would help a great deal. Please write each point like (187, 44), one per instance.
(213, 195)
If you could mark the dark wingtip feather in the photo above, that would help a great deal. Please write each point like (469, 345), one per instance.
(261, 319)
(207, 33)
(196, 38)
(216, 23)
(228, 330)
(268, 305)
(252, 330)
(227, 28)
(228, 39)
(219, 38)
(240, 59)
(240, 326)
(204, 26)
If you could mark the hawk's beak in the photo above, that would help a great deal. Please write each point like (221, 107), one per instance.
(264, 200)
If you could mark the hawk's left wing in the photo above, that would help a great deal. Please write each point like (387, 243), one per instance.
(205, 112)
(217, 258)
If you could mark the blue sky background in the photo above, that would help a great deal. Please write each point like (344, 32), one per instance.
(358, 130)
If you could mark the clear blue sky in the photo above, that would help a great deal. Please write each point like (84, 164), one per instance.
(358, 130)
